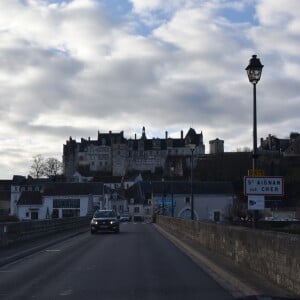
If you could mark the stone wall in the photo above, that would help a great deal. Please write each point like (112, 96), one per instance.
(274, 255)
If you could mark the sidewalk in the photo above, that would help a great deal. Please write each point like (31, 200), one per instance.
(239, 281)
(21, 249)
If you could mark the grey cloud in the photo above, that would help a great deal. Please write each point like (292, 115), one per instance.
(53, 132)
(83, 66)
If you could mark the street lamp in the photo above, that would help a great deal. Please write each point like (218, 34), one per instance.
(254, 70)
(172, 193)
(192, 147)
(163, 196)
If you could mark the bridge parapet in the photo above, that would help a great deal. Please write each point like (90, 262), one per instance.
(274, 255)
(12, 232)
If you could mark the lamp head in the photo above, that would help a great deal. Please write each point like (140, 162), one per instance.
(254, 69)
(192, 147)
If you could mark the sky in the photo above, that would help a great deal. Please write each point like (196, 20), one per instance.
(76, 67)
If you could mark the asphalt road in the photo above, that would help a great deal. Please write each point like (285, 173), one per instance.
(138, 263)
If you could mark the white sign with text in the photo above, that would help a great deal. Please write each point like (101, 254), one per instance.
(265, 186)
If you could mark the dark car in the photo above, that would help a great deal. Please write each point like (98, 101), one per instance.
(105, 220)
(125, 218)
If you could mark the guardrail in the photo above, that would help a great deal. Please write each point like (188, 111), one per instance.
(12, 232)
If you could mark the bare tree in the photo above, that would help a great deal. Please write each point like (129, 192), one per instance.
(52, 167)
(38, 166)
(45, 167)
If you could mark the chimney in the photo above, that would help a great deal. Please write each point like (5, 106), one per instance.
(166, 135)
(182, 134)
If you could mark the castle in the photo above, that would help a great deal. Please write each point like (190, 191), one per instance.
(113, 154)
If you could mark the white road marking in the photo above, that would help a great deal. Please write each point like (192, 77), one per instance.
(52, 250)
(7, 271)
(66, 292)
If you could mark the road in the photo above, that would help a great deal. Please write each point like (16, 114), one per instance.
(138, 263)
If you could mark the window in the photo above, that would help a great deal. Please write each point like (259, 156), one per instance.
(187, 200)
(34, 215)
(217, 216)
(105, 214)
(55, 214)
(136, 209)
(66, 203)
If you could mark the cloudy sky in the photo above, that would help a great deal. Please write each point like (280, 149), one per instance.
(73, 67)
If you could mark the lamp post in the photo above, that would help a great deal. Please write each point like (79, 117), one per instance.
(254, 70)
(163, 196)
(172, 193)
(192, 147)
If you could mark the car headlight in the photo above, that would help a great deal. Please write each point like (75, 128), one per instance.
(113, 222)
(95, 222)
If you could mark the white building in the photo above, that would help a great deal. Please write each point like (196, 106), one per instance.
(22, 184)
(212, 200)
(62, 200)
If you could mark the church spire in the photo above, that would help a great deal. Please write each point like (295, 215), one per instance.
(144, 133)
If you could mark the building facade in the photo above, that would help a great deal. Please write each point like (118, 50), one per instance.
(212, 201)
(287, 147)
(114, 154)
(65, 199)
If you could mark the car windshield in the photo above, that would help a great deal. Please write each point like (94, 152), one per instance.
(105, 214)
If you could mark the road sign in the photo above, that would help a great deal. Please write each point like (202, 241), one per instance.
(256, 202)
(166, 202)
(265, 186)
(256, 172)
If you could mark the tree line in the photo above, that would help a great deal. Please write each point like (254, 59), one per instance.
(45, 167)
